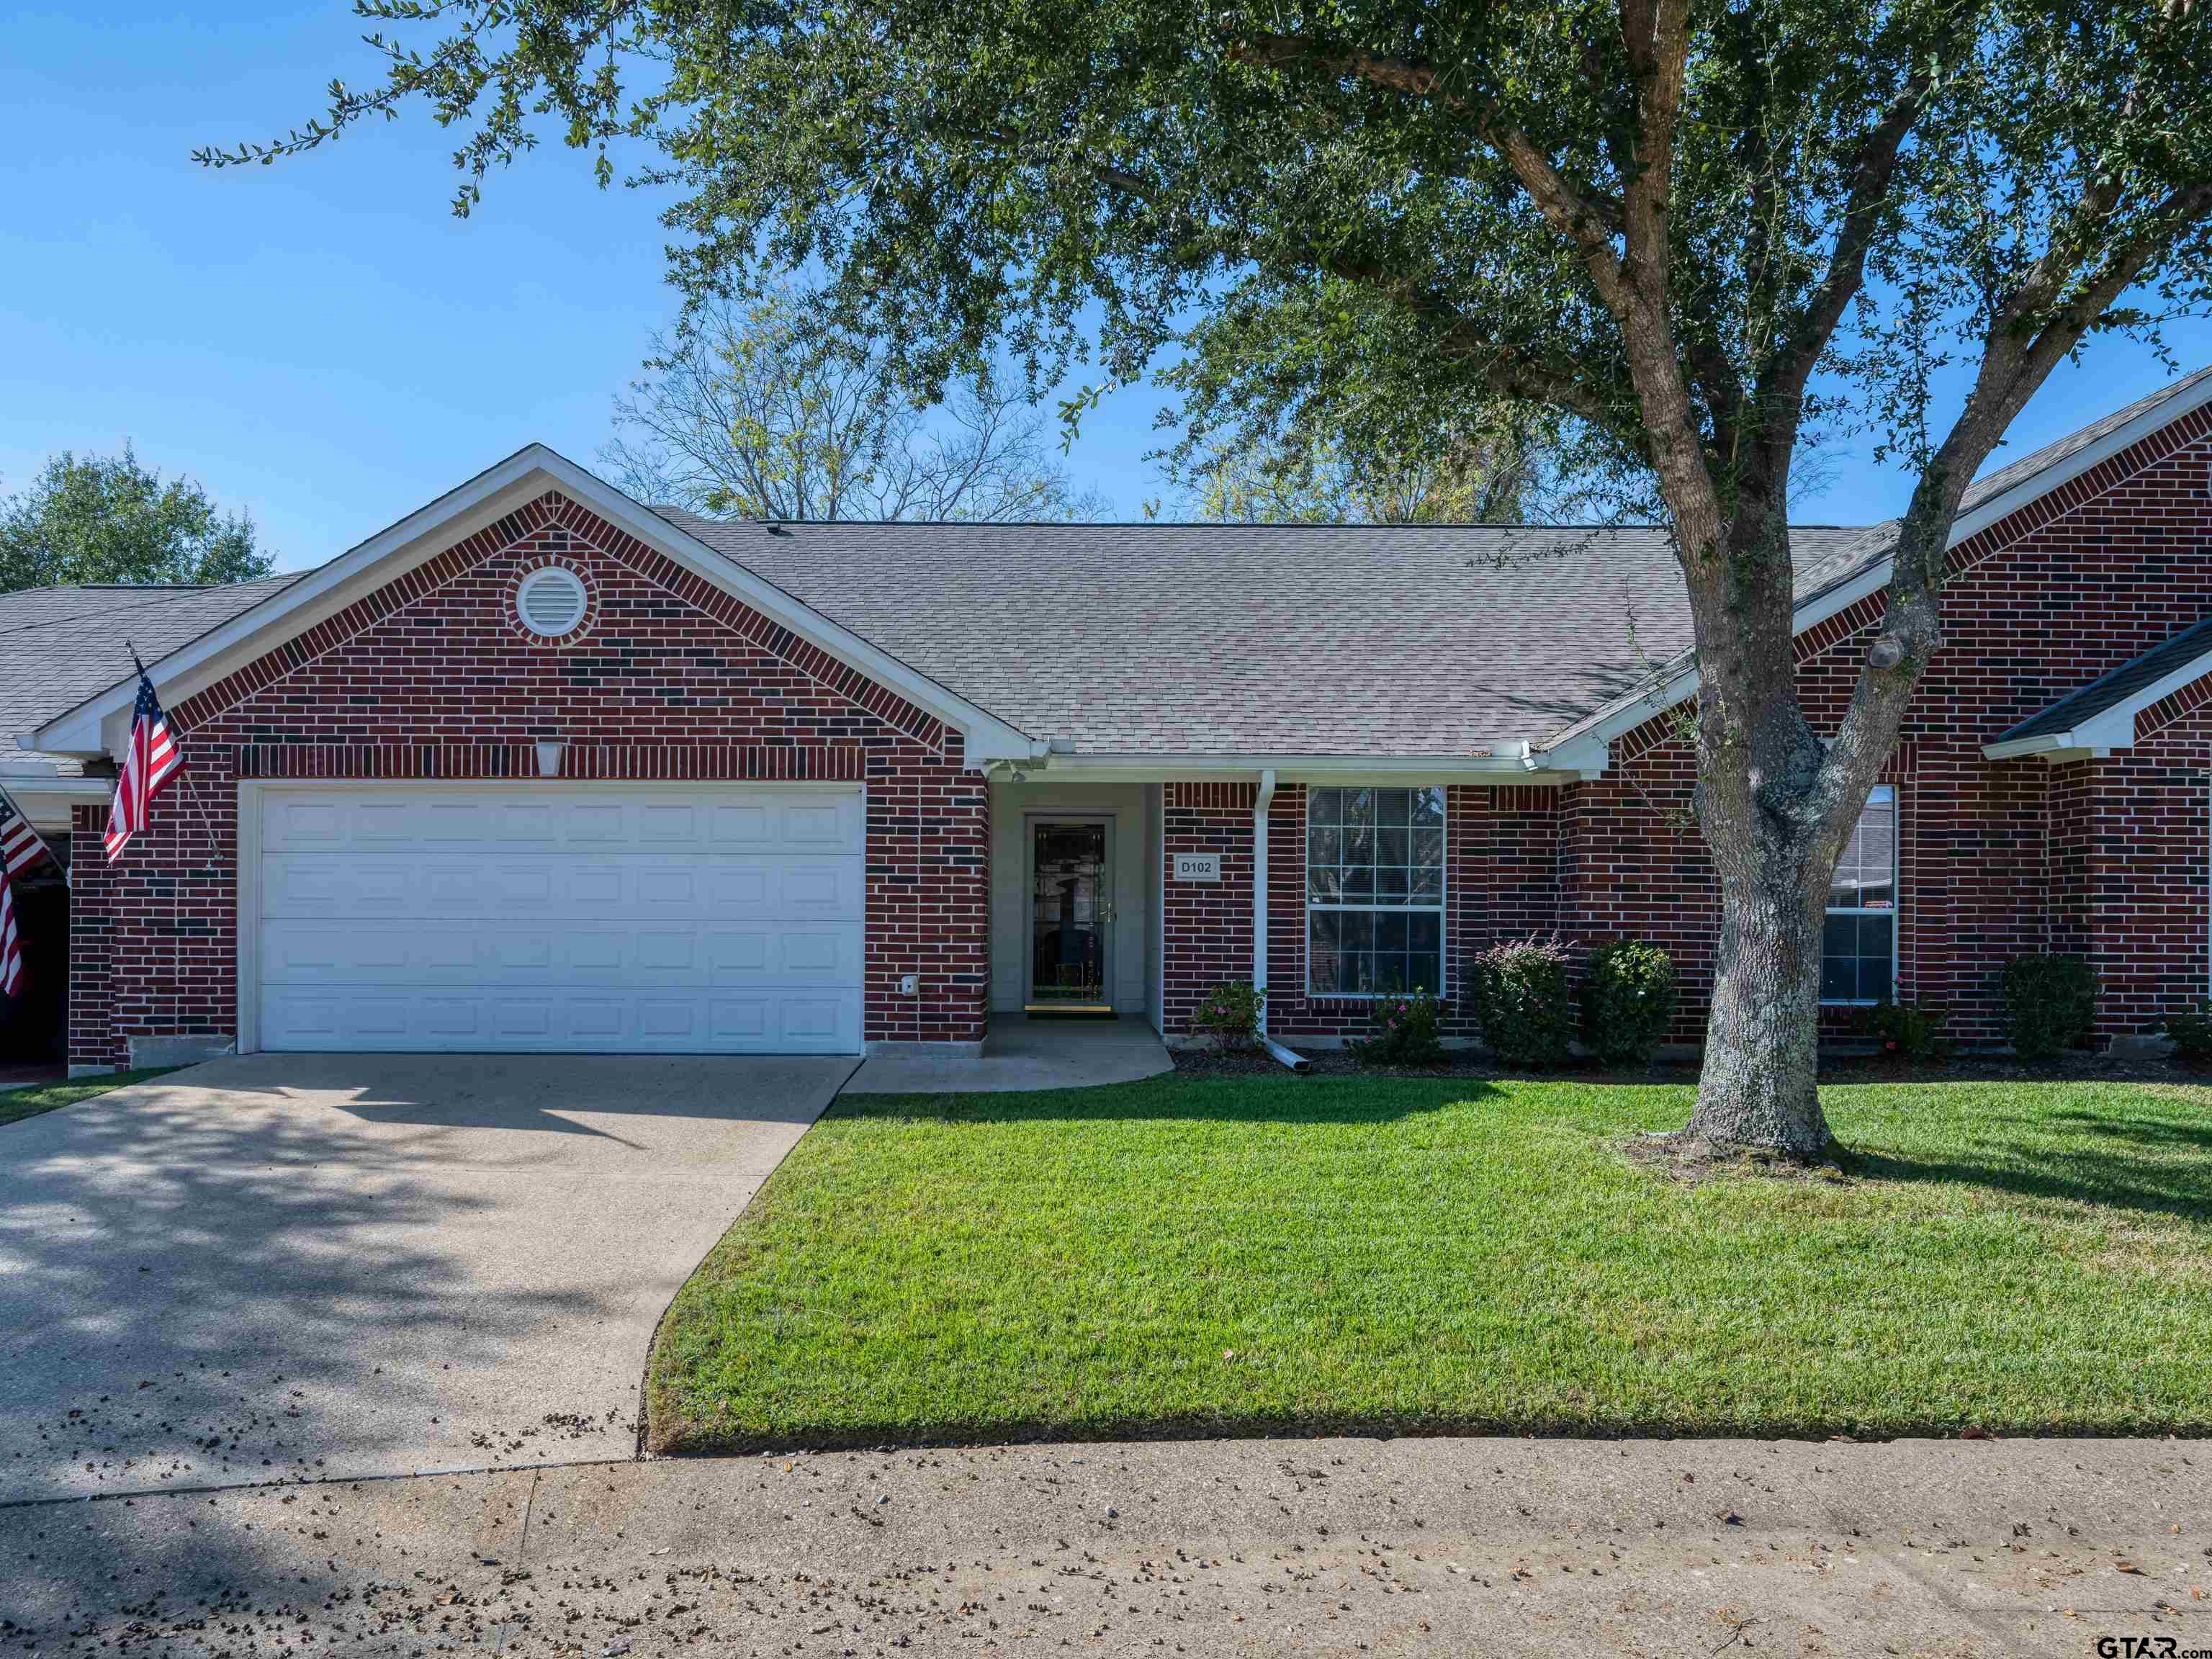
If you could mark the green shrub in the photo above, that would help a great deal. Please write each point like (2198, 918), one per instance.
(2049, 1003)
(1401, 1031)
(2192, 1035)
(1524, 1001)
(1906, 1030)
(1230, 1014)
(1628, 1001)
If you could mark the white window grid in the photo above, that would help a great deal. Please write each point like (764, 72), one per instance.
(1885, 795)
(1441, 990)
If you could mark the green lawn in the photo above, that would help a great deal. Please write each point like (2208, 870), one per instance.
(1247, 1254)
(16, 1104)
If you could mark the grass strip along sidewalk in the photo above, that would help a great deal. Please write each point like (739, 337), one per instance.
(15, 1105)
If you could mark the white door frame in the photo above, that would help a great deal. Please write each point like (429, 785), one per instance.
(246, 920)
(1032, 816)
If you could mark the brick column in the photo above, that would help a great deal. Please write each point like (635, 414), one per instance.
(91, 1025)
(1207, 936)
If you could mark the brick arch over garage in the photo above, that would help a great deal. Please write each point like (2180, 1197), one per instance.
(425, 678)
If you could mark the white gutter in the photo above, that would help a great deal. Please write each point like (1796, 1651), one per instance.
(1265, 800)
(1506, 760)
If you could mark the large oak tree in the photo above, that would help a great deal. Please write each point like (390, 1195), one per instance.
(1701, 229)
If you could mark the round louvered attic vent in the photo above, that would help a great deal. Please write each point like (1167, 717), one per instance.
(551, 602)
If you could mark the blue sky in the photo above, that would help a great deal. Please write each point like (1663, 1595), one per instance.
(322, 343)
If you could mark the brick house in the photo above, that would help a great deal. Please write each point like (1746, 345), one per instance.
(539, 768)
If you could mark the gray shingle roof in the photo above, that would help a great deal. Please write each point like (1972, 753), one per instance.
(1253, 639)
(1991, 485)
(2110, 690)
(59, 645)
(1167, 639)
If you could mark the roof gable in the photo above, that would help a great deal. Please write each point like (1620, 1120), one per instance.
(2051, 480)
(2100, 716)
(97, 723)
(62, 645)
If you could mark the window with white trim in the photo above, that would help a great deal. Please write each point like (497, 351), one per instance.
(1375, 891)
(1858, 938)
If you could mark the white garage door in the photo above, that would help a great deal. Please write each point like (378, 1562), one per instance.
(523, 918)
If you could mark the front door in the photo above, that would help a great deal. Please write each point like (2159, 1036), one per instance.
(1071, 910)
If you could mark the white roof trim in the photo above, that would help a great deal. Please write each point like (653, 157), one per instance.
(2109, 728)
(94, 725)
(1511, 761)
(2040, 483)
(1621, 718)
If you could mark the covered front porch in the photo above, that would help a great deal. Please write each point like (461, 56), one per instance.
(1075, 909)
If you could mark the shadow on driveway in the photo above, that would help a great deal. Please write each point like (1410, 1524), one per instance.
(287, 1267)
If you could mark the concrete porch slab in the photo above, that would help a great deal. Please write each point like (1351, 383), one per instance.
(1022, 1054)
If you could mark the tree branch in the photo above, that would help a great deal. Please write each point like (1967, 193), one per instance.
(1588, 222)
(1657, 34)
(2014, 367)
(1784, 382)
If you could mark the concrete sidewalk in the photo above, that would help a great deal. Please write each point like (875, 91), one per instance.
(1258, 1547)
(1022, 1054)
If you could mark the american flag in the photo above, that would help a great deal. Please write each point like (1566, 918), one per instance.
(19, 848)
(11, 948)
(152, 760)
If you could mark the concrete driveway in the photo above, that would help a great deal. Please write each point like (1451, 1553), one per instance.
(287, 1264)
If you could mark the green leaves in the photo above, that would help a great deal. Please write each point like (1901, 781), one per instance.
(1118, 181)
(99, 518)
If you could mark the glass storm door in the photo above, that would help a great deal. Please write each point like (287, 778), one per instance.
(1071, 904)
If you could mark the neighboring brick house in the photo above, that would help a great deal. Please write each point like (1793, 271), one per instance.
(541, 768)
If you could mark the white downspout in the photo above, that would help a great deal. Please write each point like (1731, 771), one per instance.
(1266, 797)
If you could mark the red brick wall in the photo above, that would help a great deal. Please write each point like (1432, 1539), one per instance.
(1996, 859)
(428, 678)
(2139, 851)
(1207, 926)
(1501, 862)
(91, 1029)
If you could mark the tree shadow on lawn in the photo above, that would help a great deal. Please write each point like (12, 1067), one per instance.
(1180, 1097)
(2143, 1164)
(2138, 1163)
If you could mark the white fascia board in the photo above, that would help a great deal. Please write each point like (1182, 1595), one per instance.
(988, 737)
(2052, 746)
(2109, 729)
(45, 798)
(422, 535)
(1875, 577)
(1511, 762)
(1681, 687)
(94, 726)
(2036, 484)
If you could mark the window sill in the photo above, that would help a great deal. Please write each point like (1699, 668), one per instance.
(1370, 996)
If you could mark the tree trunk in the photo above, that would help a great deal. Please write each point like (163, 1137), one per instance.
(1762, 1036)
(1770, 803)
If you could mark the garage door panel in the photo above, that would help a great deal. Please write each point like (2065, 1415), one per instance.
(561, 886)
(414, 1021)
(762, 822)
(376, 953)
(514, 919)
